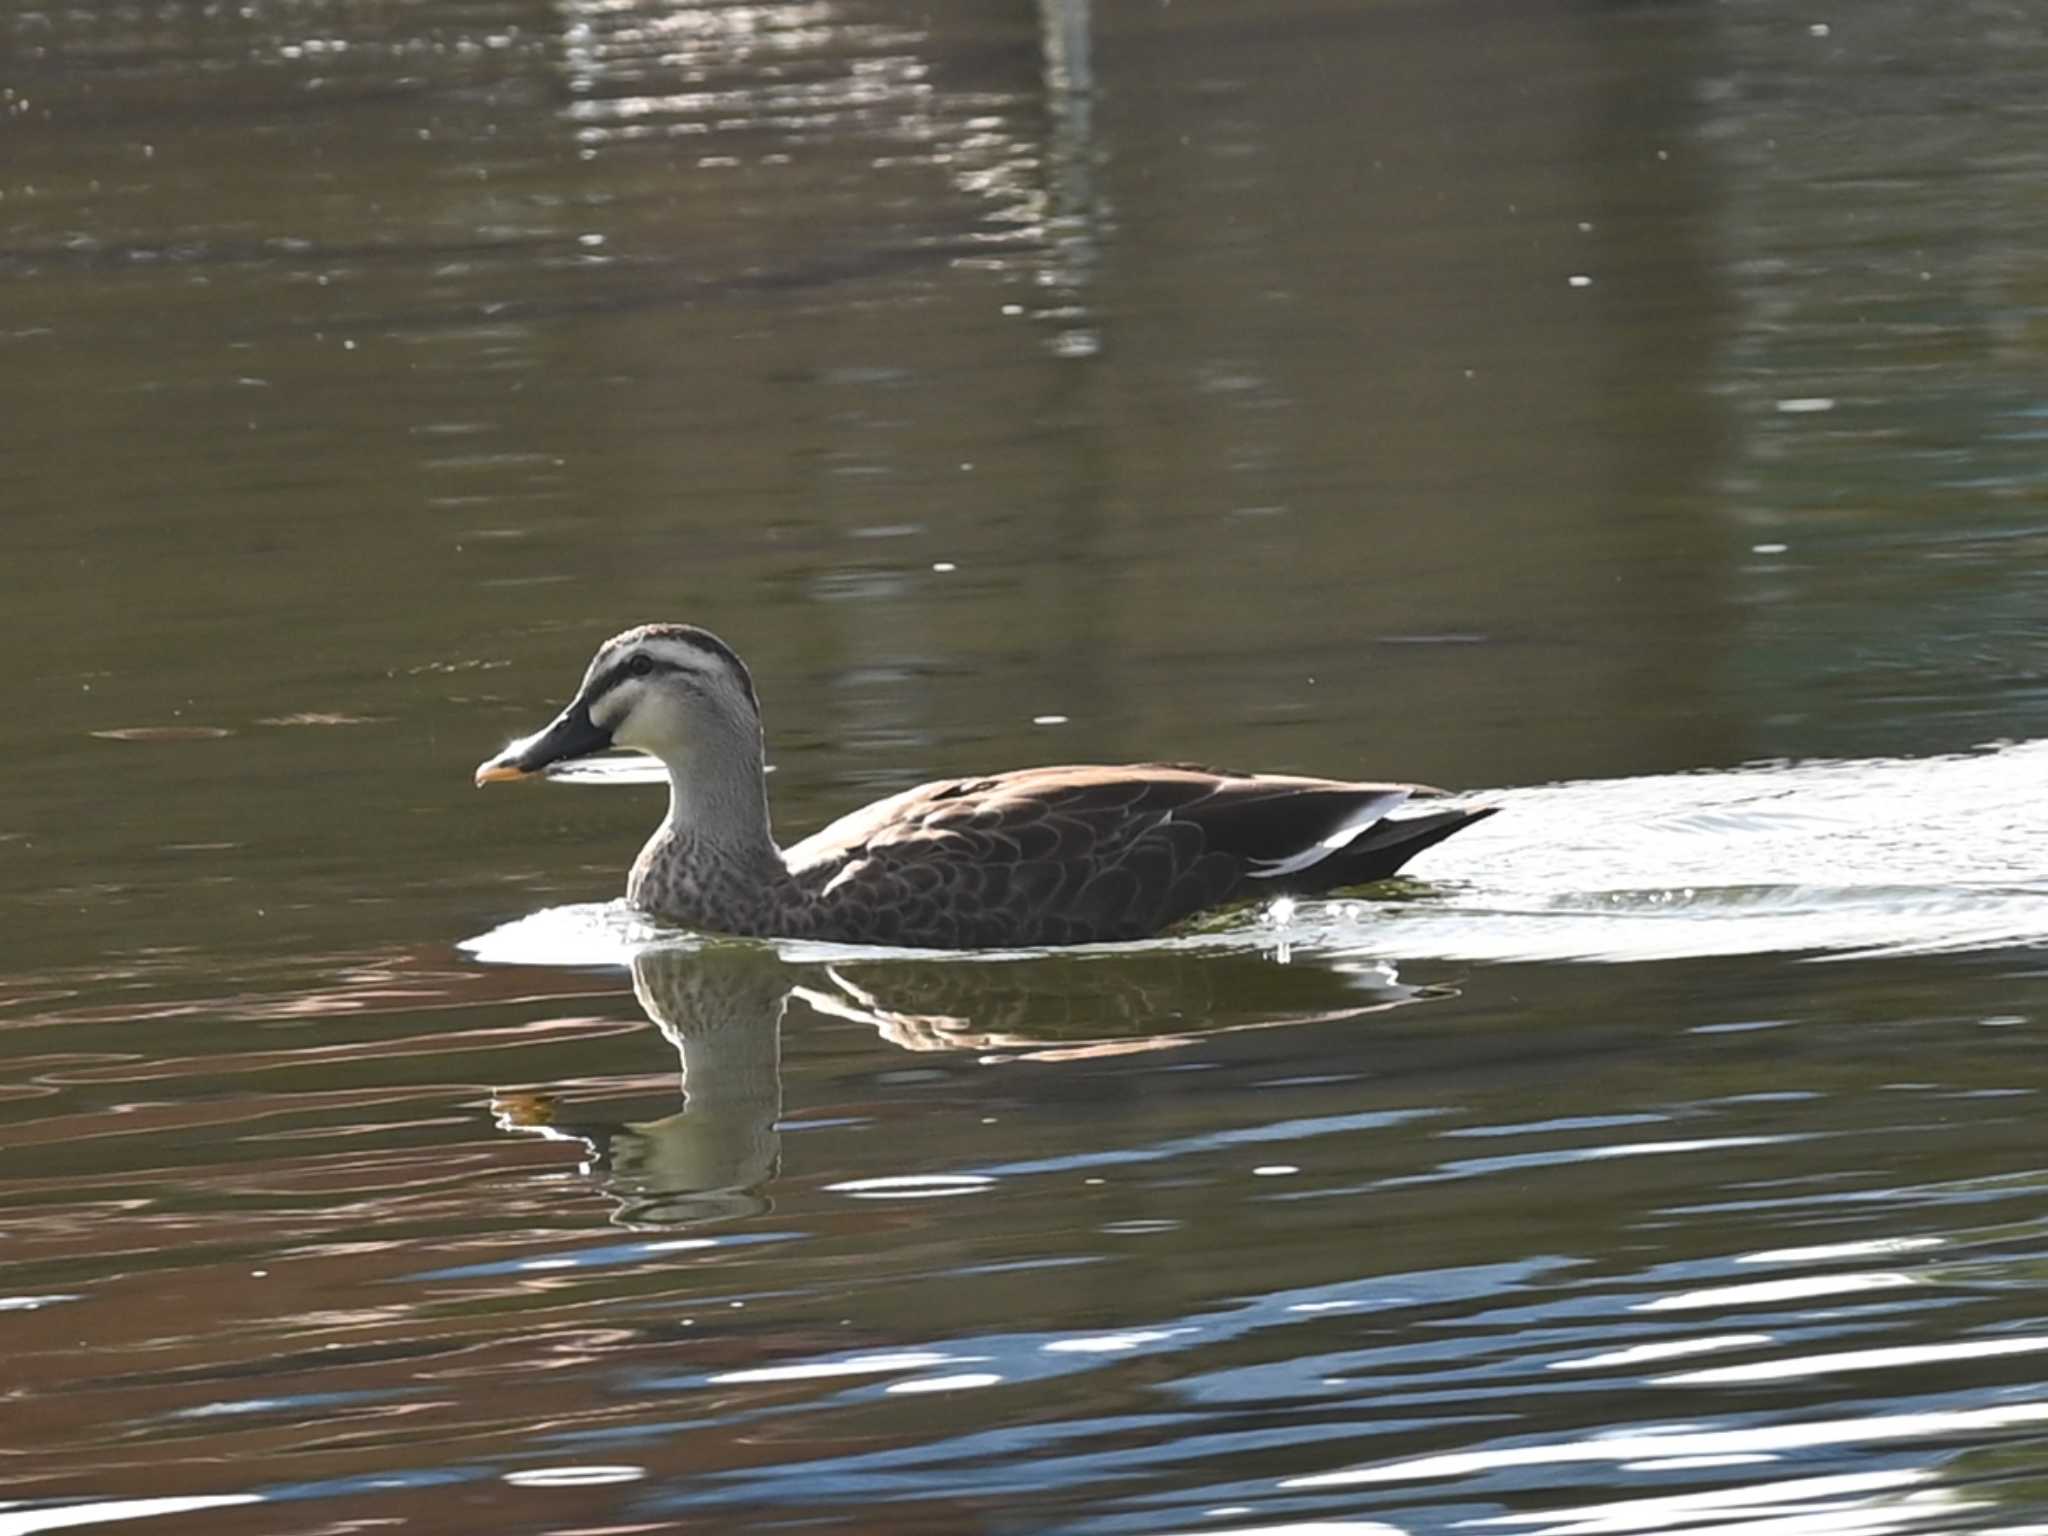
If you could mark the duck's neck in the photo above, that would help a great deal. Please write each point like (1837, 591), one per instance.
(718, 800)
(713, 863)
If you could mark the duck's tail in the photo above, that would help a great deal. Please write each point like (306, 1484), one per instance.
(1387, 844)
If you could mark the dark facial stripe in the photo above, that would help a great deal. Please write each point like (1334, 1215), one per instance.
(607, 681)
(695, 639)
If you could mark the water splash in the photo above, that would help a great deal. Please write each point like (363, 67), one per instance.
(1864, 857)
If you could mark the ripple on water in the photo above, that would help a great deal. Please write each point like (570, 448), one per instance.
(1623, 1294)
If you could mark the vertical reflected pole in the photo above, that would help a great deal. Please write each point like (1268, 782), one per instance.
(1063, 25)
(1071, 228)
(1088, 594)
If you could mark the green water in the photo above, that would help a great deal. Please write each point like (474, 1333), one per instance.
(1571, 402)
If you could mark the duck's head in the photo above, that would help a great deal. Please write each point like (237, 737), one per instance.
(667, 689)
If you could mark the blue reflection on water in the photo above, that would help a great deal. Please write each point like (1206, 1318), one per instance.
(602, 1256)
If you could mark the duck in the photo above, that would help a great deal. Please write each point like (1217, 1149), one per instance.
(1032, 858)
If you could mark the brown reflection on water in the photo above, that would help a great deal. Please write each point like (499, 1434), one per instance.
(723, 1009)
(1202, 383)
(407, 1255)
(376, 1281)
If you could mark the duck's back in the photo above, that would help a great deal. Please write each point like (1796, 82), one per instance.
(1077, 855)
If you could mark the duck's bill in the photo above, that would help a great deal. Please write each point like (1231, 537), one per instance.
(572, 734)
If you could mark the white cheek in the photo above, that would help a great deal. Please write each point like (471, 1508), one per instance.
(652, 721)
(614, 711)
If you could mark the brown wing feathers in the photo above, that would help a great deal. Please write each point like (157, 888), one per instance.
(1053, 856)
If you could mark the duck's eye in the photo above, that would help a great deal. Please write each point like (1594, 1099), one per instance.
(640, 666)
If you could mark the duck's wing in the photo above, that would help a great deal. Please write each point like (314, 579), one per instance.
(1084, 854)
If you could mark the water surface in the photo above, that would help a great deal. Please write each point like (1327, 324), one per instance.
(1628, 413)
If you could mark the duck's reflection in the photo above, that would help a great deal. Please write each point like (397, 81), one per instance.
(722, 1007)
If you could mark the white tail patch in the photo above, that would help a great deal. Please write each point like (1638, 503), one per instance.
(1361, 817)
